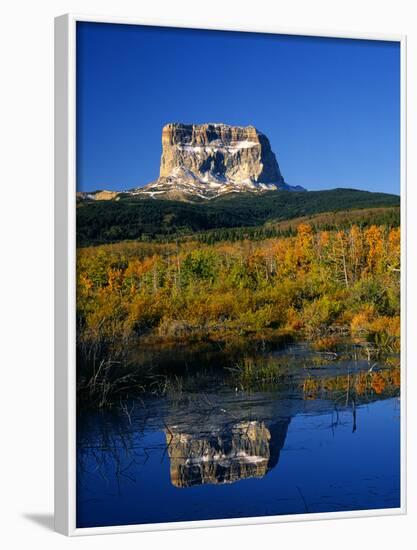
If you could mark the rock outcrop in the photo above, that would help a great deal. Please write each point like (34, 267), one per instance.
(202, 161)
(97, 195)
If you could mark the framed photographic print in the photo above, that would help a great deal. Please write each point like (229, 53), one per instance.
(230, 288)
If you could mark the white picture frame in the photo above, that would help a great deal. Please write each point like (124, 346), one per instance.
(65, 256)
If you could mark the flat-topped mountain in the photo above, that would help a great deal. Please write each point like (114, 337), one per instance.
(202, 161)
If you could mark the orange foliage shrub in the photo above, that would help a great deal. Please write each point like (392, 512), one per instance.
(387, 325)
(360, 321)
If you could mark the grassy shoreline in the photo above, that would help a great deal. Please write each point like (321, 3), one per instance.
(154, 367)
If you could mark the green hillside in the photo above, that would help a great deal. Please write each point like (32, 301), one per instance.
(138, 218)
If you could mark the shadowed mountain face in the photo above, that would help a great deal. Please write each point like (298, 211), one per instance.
(202, 161)
(247, 449)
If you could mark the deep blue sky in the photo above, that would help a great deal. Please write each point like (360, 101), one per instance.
(330, 107)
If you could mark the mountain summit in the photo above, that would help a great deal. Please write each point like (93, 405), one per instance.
(203, 161)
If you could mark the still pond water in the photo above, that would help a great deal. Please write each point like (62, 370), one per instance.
(324, 438)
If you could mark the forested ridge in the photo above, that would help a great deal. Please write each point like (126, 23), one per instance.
(149, 219)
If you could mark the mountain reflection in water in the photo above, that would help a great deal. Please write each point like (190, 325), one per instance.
(247, 449)
(208, 450)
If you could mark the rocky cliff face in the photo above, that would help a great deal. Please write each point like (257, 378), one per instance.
(202, 161)
(219, 152)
